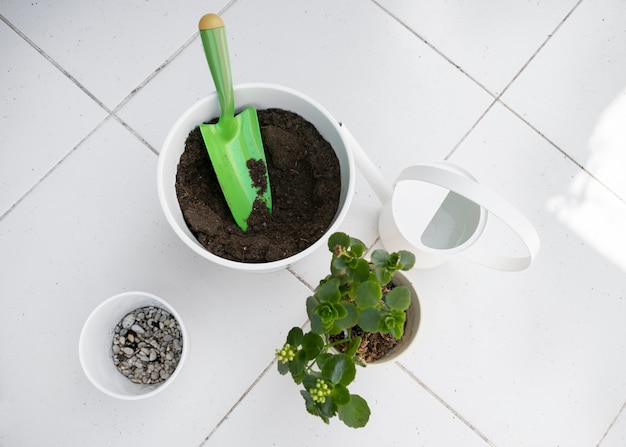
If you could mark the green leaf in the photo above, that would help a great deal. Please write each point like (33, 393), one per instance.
(327, 409)
(316, 324)
(367, 295)
(341, 395)
(283, 368)
(370, 320)
(353, 346)
(356, 413)
(398, 298)
(407, 259)
(341, 239)
(294, 337)
(353, 263)
(328, 314)
(357, 248)
(310, 380)
(296, 366)
(379, 258)
(312, 406)
(321, 360)
(349, 320)
(383, 276)
(312, 345)
(311, 303)
(341, 310)
(339, 369)
(339, 264)
(392, 322)
(328, 292)
(359, 271)
(393, 262)
(397, 331)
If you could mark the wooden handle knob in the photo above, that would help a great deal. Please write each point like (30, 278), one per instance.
(210, 21)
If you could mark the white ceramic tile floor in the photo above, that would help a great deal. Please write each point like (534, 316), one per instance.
(490, 43)
(44, 116)
(579, 74)
(535, 358)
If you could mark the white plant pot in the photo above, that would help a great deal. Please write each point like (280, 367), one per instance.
(259, 96)
(413, 318)
(96, 339)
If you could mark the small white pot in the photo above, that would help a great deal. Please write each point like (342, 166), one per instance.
(96, 339)
(259, 96)
(413, 318)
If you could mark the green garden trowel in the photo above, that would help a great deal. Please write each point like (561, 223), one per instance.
(234, 143)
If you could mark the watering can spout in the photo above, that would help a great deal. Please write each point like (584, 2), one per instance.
(371, 173)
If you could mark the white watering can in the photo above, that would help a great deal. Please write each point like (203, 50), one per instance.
(437, 210)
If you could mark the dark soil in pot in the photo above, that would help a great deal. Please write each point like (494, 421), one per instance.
(374, 346)
(305, 182)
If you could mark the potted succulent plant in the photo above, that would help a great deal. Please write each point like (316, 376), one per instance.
(359, 299)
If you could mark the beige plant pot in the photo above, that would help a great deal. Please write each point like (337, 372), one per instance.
(413, 318)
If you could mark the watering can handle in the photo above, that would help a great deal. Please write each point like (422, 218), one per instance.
(436, 174)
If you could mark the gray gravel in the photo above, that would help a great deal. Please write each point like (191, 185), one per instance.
(147, 345)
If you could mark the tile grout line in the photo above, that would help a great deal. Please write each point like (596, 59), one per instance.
(538, 50)
(608, 429)
(525, 121)
(458, 67)
(565, 154)
(521, 70)
(151, 76)
(85, 90)
(300, 278)
(75, 81)
(471, 129)
(435, 49)
(498, 97)
(135, 134)
(55, 64)
(141, 85)
(110, 113)
(70, 152)
(53, 168)
(241, 398)
(167, 61)
(445, 404)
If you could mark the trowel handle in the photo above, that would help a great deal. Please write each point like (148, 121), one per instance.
(365, 164)
(213, 35)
